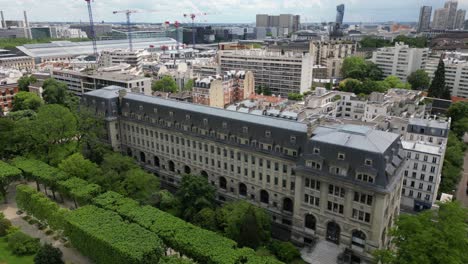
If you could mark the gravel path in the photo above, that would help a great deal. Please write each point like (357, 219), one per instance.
(70, 255)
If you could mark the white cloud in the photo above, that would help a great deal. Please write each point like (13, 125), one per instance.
(219, 10)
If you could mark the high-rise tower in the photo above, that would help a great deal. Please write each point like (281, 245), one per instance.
(424, 22)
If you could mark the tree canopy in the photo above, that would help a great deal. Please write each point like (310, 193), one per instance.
(419, 80)
(26, 101)
(166, 84)
(189, 85)
(438, 88)
(48, 254)
(56, 92)
(25, 81)
(195, 193)
(430, 237)
(358, 68)
(77, 166)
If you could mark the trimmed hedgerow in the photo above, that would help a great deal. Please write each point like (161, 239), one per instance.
(103, 236)
(38, 205)
(79, 190)
(202, 245)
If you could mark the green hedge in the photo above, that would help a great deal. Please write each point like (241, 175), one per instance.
(6, 170)
(39, 171)
(78, 189)
(199, 244)
(38, 205)
(106, 238)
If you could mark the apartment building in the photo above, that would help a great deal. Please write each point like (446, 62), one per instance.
(332, 54)
(222, 90)
(456, 72)
(424, 143)
(337, 183)
(7, 94)
(281, 72)
(114, 57)
(16, 61)
(82, 82)
(400, 60)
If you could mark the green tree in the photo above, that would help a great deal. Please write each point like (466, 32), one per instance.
(285, 251)
(114, 167)
(395, 82)
(25, 81)
(458, 111)
(26, 101)
(189, 85)
(355, 68)
(77, 166)
(373, 42)
(8, 174)
(432, 237)
(438, 85)
(351, 85)
(195, 193)
(245, 223)
(21, 244)
(167, 202)
(295, 96)
(139, 185)
(166, 84)
(460, 127)
(56, 92)
(91, 131)
(48, 254)
(414, 42)
(419, 80)
(206, 219)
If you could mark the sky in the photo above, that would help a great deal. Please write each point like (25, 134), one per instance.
(218, 11)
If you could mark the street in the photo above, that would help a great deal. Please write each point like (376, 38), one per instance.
(461, 194)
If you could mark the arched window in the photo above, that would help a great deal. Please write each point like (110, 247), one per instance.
(171, 166)
(142, 157)
(310, 222)
(187, 170)
(358, 238)
(204, 174)
(242, 189)
(288, 205)
(156, 161)
(129, 152)
(333, 232)
(264, 197)
(222, 183)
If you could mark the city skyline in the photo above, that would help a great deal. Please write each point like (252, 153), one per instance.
(234, 11)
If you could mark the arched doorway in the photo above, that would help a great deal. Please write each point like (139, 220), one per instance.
(171, 166)
(333, 232)
(204, 174)
(358, 238)
(142, 157)
(222, 183)
(156, 161)
(264, 197)
(310, 222)
(242, 189)
(287, 205)
(187, 170)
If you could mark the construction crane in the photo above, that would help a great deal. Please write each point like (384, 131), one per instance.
(129, 25)
(192, 16)
(91, 26)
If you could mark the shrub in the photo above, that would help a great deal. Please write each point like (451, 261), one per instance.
(49, 232)
(48, 254)
(285, 251)
(21, 244)
(26, 218)
(5, 224)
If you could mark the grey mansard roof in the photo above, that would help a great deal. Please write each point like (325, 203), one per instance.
(356, 137)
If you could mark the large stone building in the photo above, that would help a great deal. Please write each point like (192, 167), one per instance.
(400, 60)
(114, 57)
(222, 90)
(16, 61)
(332, 54)
(339, 183)
(456, 71)
(7, 94)
(282, 73)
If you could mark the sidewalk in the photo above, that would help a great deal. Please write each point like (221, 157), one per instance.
(70, 255)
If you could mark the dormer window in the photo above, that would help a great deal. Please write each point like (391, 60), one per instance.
(155, 110)
(368, 162)
(293, 139)
(187, 117)
(224, 125)
(171, 114)
(245, 130)
(141, 108)
(341, 156)
(205, 121)
(316, 151)
(268, 133)
(365, 178)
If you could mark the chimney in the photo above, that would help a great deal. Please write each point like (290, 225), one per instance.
(3, 20)
(27, 29)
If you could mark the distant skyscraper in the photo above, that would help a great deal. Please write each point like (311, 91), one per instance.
(424, 18)
(452, 13)
(285, 23)
(460, 19)
(440, 19)
(340, 14)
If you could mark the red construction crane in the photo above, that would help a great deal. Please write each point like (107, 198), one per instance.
(192, 16)
(91, 26)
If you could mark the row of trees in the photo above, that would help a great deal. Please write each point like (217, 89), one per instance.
(373, 42)
(168, 85)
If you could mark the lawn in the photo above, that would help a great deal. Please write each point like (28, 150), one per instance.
(7, 258)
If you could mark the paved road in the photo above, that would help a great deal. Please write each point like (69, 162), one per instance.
(461, 190)
(70, 255)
